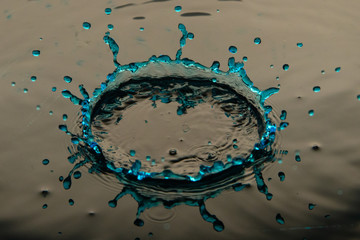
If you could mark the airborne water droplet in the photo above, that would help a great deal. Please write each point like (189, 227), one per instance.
(86, 25)
(300, 45)
(281, 176)
(311, 112)
(45, 206)
(36, 53)
(53, 89)
(316, 89)
(110, 26)
(178, 9)
(25, 90)
(233, 49)
(280, 219)
(245, 59)
(257, 40)
(297, 157)
(132, 153)
(286, 67)
(13, 84)
(45, 161)
(337, 69)
(107, 11)
(33, 78)
(68, 79)
(311, 206)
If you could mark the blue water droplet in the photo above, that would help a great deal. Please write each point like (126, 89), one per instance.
(107, 11)
(51, 113)
(68, 79)
(297, 157)
(316, 89)
(25, 90)
(61, 178)
(271, 66)
(65, 117)
(311, 112)
(337, 69)
(283, 115)
(141, 29)
(148, 158)
(283, 125)
(38, 107)
(280, 219)
(190, 36)
(77, 174)
(112, 203)
(233, 49)
(36, 53)
(44, 206)
(110, 26)
(358, 97)
(33, 78)
(86, 25)
(277, 78)
(311, 206)
(281, 176)
(286, 67)
(45, 161)
(139, 222)
(67, 183)
(322, 71)
(71, 202)
(13, 84)
(257, 40)
(300, 45)
(245, 58)
(178, 9)
(53, 89)
(132, 153)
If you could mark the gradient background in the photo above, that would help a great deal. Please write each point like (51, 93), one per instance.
(329, 177)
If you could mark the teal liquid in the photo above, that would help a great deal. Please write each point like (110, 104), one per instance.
(231, 94)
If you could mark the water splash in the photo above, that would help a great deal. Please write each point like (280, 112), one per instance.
(182, 177)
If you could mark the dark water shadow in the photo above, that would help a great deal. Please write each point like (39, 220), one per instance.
(125, 5)
(195, 14)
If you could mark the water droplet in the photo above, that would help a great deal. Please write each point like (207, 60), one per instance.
(233, 49)
(283, 115)
(178, 9)
(71, 202)
(257, 40)
(271, 66)
(25, 90)
(315, 148)
(281, 176)
(280, 219)
(68, 79)
(110, 26)
(138, 222)
(45, 206)
(38, 107)
(77, 174)
(141, 29)
(45, 161)
(286, 67)
(300, 45)
(358, 97)
(65, 117)
(51, 113)
(172, 152)
(61, 178)
(322, 71)
(214, 80)
(245, 59)
(277, 78)
(132, 153)
(311, 206)
(327, 216)
(316, 89)
(337, 69)
(86, 25)
(311, 112)
(13, 84)
(107, 11)
(53, 89)
(297, 157)
(150, 234)
(148, 158)
(33, 78)
(36, 53)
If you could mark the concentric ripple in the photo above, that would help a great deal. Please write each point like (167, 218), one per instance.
(174, 131)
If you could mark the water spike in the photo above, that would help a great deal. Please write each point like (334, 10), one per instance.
(83, 92)
(182, 28)
(114, 49)
(217, 224)
(215, 66)
(267, 93)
